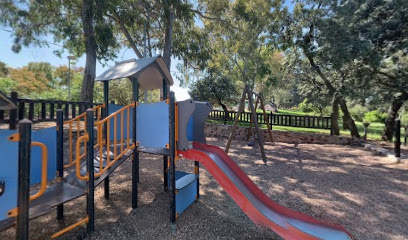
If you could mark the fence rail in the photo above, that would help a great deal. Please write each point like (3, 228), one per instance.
(275, 119)
(41, 110)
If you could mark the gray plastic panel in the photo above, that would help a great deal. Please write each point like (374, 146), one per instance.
(201, 111)
(185, 111)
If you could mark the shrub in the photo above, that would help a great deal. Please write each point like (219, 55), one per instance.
(305, 106)
(375, 116)
(358, 112)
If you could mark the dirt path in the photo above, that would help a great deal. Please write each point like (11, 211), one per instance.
(346, 185)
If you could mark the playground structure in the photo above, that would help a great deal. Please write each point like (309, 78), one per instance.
(249, 93)
(101, 139)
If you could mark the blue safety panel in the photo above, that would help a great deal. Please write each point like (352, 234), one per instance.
(9, 164)
(113, 108)
(190, 135)
(186, 195)
(153, 124)
(8, 172)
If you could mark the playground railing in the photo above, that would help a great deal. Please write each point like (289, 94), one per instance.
(78, 124)
(120, 146)
(41, 110)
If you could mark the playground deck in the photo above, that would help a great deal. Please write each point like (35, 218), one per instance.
(341, 184)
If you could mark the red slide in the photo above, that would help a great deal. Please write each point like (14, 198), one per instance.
(262, 210)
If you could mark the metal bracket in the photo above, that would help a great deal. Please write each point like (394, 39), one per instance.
(2, 187)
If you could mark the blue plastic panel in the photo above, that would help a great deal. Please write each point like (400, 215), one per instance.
(9, 164)
(153, 124)
(186, 195)
(190, 131)
(8, 172)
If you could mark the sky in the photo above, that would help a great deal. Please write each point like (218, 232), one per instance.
(45, 54)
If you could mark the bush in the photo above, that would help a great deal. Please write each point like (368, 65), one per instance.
(358, 112)
(305, 106)
(375, 116)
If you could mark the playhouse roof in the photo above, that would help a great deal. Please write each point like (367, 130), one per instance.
(150, 72)
(6, 103)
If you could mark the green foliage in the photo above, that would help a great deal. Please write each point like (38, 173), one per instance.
(375, 117)
(214, 89)
(3, 70)
(305, 106)
(358, 112)
(7, 85)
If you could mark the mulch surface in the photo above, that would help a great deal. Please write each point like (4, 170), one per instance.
(346, 185)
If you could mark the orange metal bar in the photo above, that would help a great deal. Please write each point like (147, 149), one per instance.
(44, 161)
(78, 160)
(128, 126)
(121, 131)
(107, 143)
(115, 136)
(100, 142)
(69, 228)
(70, 142)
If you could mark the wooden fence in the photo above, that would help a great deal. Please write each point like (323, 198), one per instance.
(40, 110)
(275, 119)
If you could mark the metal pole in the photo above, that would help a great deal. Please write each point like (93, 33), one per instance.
(135, 159)
(69, 78)
(60, 156)
(165, 158)
(90, 169)
(397, 142)
(106, 102)
(24, 157)
(197, 169)
(172, 163)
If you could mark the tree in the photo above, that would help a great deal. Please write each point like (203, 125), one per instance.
(216, 90)
(3, 70)
(79, 25)
(302, 33)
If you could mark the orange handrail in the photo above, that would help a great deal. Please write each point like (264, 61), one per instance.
(100, 143)
(44, 161)
(69, 228)
(78, 119)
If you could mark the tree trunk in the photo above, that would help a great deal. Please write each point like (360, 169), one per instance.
(333, 92)
(90, 49)
(168, 34)
(226, 112)
(335, 117)
(392, 115)
(347, 117)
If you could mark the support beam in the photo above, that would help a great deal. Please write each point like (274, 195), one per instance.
(90, 203)
(172, 143)
(135, 159)
(165, 158)
(260, 137)
(240, 109)
(60, 156)
(106, 102)
(24, 157)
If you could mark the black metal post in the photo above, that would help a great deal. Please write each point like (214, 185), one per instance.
(405, 135)
(165, 158)
(172, 163)
(24, 157)
(106, 102)
(197, 167)
(13, 112)
(60, 156)
(397, 142)
(135, 159)
(90, 169)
